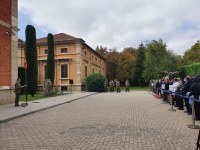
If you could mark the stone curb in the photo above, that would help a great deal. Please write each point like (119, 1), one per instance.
(34, 111)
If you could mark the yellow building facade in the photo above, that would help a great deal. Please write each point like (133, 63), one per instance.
(74, 60)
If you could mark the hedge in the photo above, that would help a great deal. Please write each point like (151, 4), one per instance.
(191, 69)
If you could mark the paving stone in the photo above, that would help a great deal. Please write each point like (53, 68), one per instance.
(110, 121)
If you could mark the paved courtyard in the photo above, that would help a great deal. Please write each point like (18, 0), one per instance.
(110, 121)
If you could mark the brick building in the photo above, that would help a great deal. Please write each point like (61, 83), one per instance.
(74, 59)
(8, 48)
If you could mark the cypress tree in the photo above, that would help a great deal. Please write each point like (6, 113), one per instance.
(139, 65)
(31, 58)
(50, 58)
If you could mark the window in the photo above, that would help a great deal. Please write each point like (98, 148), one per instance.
(96, 59)
(45, 72)
(64, 71)
(63, 88)
(85, 71)
(85, 52)
(63, 50)
(46, 51)
(92, 70)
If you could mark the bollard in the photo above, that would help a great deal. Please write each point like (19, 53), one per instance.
(171, 101)
(193, 126)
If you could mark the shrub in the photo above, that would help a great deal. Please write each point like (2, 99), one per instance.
(95, 83)
(190, 69)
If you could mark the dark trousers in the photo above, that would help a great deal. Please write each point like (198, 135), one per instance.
(187, 105)
(197, 107)
(118, 89)
(165, 97)
(180, 103)
(17, 99)
(158, 91)
(127, 89)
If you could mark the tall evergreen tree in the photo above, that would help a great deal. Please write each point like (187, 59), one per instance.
(31, 58)
(139, 66)
(50, 58)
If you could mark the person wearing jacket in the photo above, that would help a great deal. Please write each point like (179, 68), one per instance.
(166, 95)
(127, 84)
(195, 91)
(17, 91)
(184, 90)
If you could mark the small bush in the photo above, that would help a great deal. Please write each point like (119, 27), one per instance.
(95, 83)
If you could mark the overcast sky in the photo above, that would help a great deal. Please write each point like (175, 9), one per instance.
(112, 23)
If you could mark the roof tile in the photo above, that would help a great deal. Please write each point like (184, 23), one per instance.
(58, 37)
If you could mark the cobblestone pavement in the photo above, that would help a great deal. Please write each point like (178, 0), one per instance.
(107, 121)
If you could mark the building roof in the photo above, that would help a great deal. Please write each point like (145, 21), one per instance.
(58, 37)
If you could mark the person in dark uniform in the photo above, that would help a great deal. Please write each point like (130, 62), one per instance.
(117, 86)
(111, 84)
(195, 91)
(127, 83)
(184, 90)
(17, 91)
(166, 95)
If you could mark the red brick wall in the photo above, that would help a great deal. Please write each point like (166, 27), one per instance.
(5, 44)
(5, 11)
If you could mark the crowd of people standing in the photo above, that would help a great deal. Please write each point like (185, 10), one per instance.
(180, 91)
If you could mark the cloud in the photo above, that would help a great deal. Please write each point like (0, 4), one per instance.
(119, 23)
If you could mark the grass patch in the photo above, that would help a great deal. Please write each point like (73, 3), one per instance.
(37, 96)
(133, 88)
(136, 88)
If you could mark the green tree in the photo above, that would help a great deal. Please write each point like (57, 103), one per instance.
(157, 60)
(50, 58)
(192, 55)
(125, 65)
(31, 58)
(139, 66)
